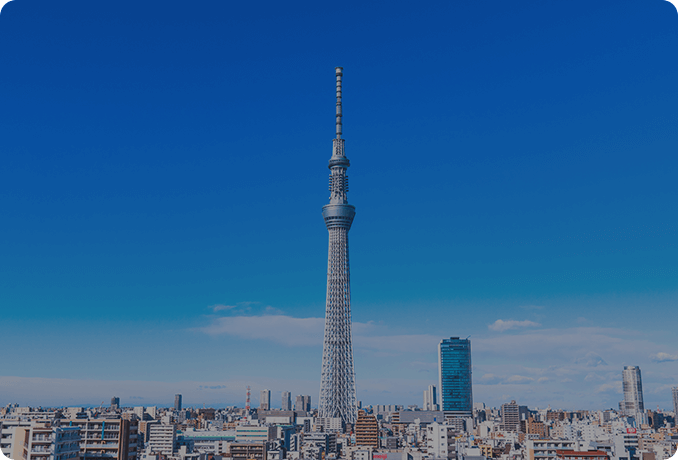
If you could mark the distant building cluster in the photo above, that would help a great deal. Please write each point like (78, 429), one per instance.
(448, 427)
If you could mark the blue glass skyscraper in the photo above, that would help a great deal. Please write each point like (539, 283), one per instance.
(454, 376)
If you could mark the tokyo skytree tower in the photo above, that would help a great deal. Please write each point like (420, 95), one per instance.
(337, 382)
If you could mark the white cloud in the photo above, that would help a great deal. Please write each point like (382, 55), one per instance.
(662, 357)
(291, 331)
(285, 330)
(519, 379)
(500, 325)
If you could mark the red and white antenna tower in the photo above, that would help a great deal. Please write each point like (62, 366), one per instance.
(247, 405)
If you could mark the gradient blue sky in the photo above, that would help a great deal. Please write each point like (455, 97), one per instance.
(164, 165)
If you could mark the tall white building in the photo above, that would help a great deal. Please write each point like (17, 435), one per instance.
(632, 385)
(431, 398)
(162, 439)
(440, 441)
(265, 400)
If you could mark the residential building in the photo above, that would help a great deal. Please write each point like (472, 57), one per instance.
(177, 402)
(330, 424)
(162, 439)
(248, 450)
(302, 403)
(41, 441)
(115, 403)
(326, 441)
(286, 400)
(576, 455)
(454, 376)
(366, 430)
(510, 416)
(534, 427)
(675, 403)
(106, 439)
(440, 441)
(7, 429)
(265, 400)
(546, 449)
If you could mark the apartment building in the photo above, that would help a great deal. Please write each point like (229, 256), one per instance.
(107, 439)
(42, 441)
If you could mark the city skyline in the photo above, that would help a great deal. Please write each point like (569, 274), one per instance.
(516, 187)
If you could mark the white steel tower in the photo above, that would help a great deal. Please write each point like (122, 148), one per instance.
(337, 382)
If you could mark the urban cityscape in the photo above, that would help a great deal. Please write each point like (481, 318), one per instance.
(448, 425)
(526, 335)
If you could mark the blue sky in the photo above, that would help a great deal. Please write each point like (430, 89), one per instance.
(164, 166)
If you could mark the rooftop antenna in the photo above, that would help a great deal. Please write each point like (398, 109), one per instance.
(340, 73)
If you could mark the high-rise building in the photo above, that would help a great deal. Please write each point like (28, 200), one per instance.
(303, 403)
(454, 377)
(632, 386)
(177, 402)
(675, 402)
(337, 378)
(115, 402)
(286, 400)
(510, 416)
(265, 400)
(430, 398)
(366, 430)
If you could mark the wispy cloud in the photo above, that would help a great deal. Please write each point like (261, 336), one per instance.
(492, 379)
(591, 359)
(613, 387)
(219, 307)
(504, 325)
(662, 357)
(285, 330)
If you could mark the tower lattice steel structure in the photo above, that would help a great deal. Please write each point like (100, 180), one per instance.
(337, 384)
